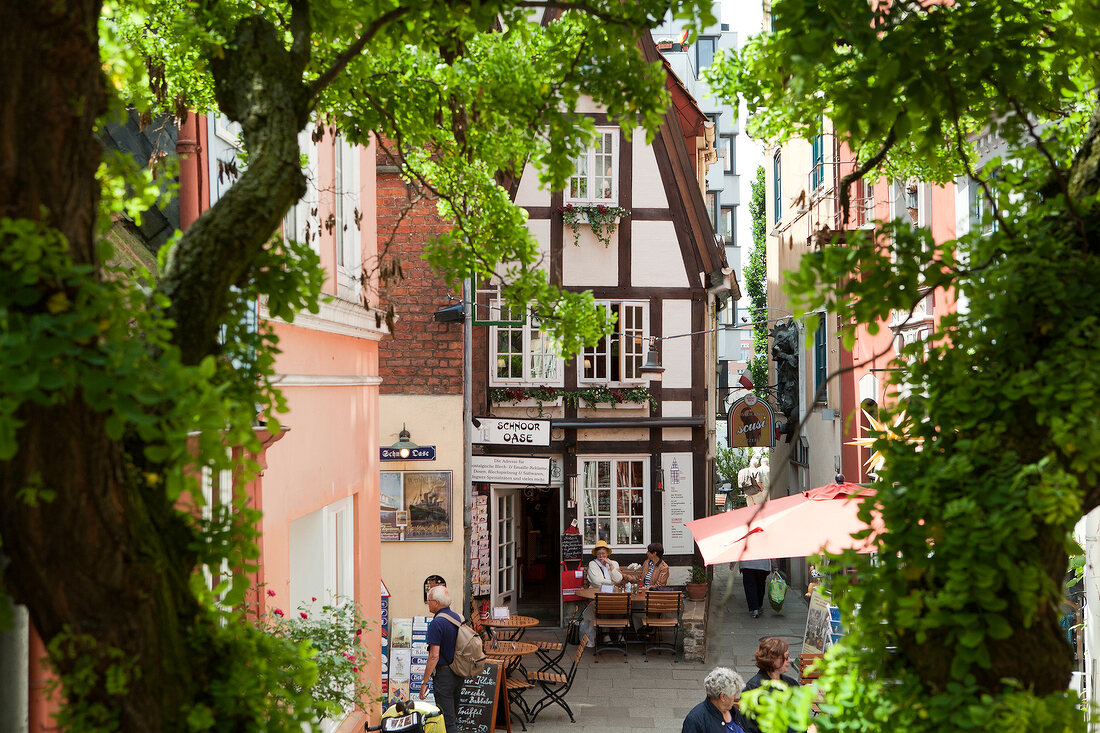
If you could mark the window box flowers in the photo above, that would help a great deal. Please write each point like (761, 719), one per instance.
(588, 397)
(602, 218)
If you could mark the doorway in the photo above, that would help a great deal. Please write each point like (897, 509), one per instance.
(540, 554)
(505, 519)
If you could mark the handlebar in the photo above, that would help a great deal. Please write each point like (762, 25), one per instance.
(402, 710)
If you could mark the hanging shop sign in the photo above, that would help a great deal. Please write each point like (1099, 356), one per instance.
(512, 431)
(510, 470)
(750, 423)
(419, 453)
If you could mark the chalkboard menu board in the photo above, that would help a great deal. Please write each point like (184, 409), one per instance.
(477, 700)
(571, 547)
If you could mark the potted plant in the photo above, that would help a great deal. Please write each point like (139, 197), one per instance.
(696, 587)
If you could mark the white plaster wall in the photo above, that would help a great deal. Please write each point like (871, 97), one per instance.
(649, 191)
(585, 104)
(676, 434)
(676, 353)
(677, 408)
(599, 434)
(541, 229)
(655, 258)
(589, 263)
(824, 437)
(530, 193)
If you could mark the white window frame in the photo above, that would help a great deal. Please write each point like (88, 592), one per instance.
(530, 325)
(304, 217)
(219, 493)
(346, 203)
(647, 509)
(339, 538)
(639, 349)
(588, 159)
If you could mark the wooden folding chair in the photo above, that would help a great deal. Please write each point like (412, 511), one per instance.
(805, 661)
(556, 685)
(612, 617)
(664, 610)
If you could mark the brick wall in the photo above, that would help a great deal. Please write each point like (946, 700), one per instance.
(421, 356)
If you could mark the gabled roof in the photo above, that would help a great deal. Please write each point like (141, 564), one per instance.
(681, 184)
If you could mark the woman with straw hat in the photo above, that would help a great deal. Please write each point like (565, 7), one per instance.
(602, 570)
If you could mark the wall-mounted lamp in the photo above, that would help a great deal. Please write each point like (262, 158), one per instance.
(404, 446)
(652, 368)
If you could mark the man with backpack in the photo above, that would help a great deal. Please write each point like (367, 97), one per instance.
(454, 653)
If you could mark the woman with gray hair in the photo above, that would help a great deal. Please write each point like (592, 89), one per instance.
(718, 713)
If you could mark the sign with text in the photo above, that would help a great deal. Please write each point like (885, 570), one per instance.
(478, 700)
(510, 470)
(512, 431)
(750, 423)
(419, 453)
(678, 501)
(571, 546)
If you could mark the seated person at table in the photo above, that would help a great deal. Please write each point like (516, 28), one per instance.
(654, 571)
(601, 571)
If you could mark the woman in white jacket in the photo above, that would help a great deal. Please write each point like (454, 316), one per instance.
(601, 571)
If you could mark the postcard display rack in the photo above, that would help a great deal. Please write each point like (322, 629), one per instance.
(408, 658)
(480, 569)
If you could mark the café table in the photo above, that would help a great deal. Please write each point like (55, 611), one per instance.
(511, 628)
(589, 594)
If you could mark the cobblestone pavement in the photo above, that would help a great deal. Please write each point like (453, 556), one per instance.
(617, 695)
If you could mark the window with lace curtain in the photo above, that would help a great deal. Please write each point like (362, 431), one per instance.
(615, 501)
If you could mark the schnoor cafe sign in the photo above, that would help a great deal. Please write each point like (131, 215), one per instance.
(750, 423)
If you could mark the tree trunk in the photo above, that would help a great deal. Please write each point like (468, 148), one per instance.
(104, 564)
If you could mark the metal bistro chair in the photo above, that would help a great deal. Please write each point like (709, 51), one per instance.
(556, 685)
(612, 616)
(552, 652)
(663, 610)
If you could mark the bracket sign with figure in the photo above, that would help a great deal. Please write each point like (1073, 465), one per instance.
(750, 423)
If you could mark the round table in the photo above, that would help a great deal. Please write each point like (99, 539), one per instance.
(509, 649)
(513, 626)
(510, 653)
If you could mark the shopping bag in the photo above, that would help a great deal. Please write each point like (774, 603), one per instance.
(776, 586)
(571, 580)
(573, 632)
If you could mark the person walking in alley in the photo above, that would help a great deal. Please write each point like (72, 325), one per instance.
(754, 574)
(748, 482)
(442, 635)
(718, 712)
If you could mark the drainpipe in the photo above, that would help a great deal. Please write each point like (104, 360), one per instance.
(15, 674)
(467, 438)
(189, 150)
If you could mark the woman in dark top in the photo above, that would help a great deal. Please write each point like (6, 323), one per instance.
(773, 659)
(718, 713)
